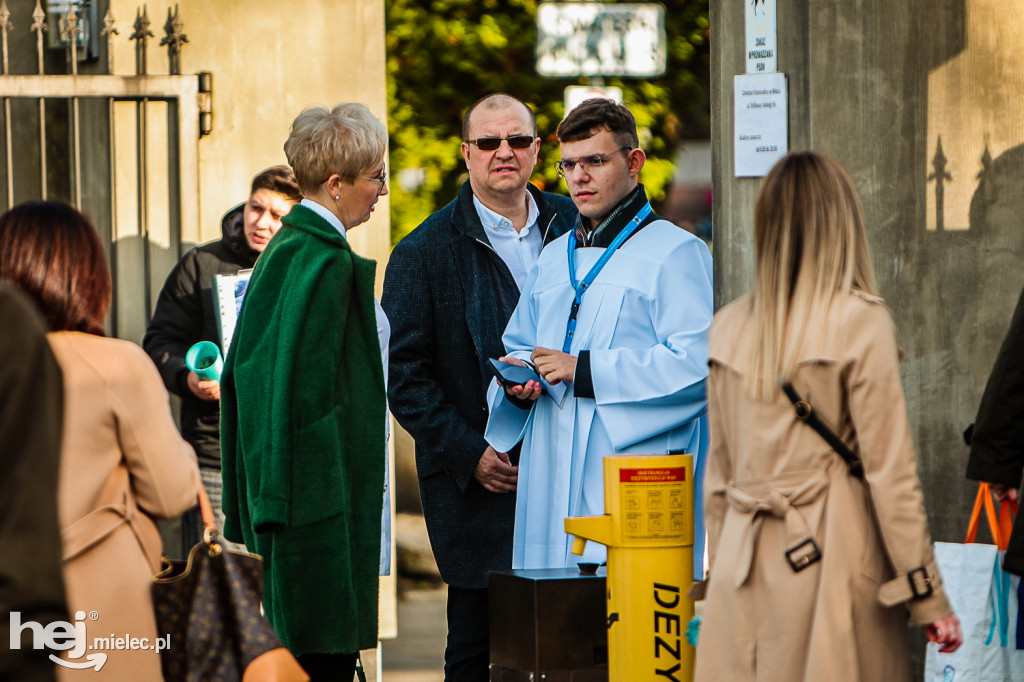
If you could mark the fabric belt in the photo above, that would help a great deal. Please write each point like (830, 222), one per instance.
(779, 503)
(100, 523)
(915, 584)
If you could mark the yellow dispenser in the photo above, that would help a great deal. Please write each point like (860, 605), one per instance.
(648, 530)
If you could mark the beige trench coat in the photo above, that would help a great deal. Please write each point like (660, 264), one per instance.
(772, 482)
(122, 462)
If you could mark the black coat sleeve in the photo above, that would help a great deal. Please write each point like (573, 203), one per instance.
(997, 445)
(416, 394)
(31, 423)
(176, 325)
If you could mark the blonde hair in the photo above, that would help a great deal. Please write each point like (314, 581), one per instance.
(347, 140)
(811, 247)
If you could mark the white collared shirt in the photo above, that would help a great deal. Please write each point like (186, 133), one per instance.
(326, 214)
(519, 250)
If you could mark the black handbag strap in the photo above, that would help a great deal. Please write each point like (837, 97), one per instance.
(806, 414)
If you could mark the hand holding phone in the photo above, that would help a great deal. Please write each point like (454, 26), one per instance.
(510, 375)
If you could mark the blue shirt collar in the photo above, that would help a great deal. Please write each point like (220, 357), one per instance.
(326, 214)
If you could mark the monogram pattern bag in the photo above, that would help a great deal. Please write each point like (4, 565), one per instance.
(209, 608)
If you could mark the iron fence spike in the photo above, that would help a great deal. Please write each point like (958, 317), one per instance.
(69, 28)
(178, 23)
(142, 34)
(39, 19)
(174, 40)
(108, 24)
(5, 17)
(141, 25)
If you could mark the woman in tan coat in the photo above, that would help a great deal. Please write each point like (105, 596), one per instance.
(122, 460)
(813, 567)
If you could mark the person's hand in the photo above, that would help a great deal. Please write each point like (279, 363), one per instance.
(495, 472)
(1004, 492)
(554, 365)
(207, 389)
(946, 631)
(531, 390)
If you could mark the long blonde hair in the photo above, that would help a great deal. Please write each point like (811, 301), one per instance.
(811, 246)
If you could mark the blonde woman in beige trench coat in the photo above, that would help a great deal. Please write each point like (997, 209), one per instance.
(122, 461)
(773, 483)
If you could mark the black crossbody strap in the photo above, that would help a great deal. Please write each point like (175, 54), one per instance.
(806, 414)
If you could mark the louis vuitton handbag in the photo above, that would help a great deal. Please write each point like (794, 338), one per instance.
(208, 610)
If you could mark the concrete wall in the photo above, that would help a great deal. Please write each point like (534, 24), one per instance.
(269, 60)
(878, 85)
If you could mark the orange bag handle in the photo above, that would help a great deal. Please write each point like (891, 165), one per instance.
(1007, 514)
(1001, 526)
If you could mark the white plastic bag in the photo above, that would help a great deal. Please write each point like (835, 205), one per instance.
(985, 599)
(969, 575)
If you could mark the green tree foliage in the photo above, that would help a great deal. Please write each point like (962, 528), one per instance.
(443, 55)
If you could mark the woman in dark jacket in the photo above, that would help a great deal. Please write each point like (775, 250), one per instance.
(185, 315)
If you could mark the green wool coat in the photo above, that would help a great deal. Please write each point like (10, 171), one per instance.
(303, 437)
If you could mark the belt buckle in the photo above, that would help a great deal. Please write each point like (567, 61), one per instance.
(925, 578)
(800, 558)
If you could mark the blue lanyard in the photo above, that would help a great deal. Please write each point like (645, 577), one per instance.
(581, 287)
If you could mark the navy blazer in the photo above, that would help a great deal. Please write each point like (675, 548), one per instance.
(448, 297)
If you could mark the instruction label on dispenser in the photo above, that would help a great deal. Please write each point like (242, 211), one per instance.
(653, 502)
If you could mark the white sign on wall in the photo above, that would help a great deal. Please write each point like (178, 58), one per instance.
(576, 95)
(600, 39)
(761, 36)
(762, 128)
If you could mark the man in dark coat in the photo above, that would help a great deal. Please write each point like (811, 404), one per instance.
(185, 315)
(997, 441)
(450, 288)
(31, 424)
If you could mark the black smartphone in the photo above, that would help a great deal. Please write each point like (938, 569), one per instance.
(511, 375)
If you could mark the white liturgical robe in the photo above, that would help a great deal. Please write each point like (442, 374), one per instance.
(645, 321)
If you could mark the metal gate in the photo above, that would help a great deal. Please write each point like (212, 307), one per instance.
(123, 148)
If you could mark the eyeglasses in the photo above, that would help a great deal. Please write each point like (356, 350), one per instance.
(381, 177)
(489, 144)
(567, 166)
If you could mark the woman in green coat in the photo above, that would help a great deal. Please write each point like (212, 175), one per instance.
(303, 413)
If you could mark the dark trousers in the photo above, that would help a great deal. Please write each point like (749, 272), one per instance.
(467, 654)
(329, 667)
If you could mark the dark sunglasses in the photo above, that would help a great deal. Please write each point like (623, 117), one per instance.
(489, 144)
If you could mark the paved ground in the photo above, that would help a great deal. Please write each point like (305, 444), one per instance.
(417, 655)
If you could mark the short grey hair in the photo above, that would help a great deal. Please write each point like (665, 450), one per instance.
(347, 140)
